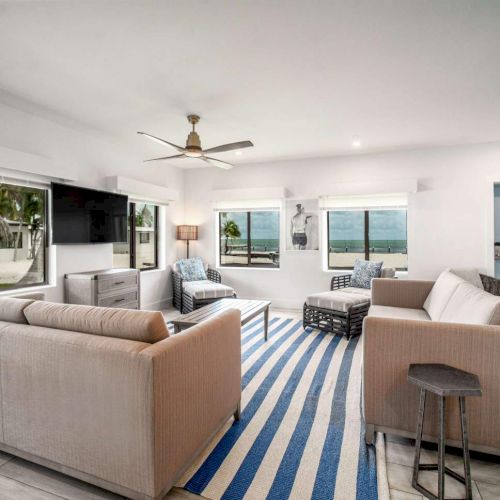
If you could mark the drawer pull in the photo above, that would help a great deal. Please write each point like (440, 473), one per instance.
(119, 282)
(119, 300)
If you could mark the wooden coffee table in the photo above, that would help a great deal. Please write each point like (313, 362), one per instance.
(249, 310)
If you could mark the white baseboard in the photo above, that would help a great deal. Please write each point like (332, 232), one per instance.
(280, 303)
(158, 305)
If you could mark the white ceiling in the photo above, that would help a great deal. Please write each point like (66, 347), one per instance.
(298, 78)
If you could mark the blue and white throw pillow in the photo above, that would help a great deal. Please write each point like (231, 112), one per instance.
(364, 271)
(192, 269)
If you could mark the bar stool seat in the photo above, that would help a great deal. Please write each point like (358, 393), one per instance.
(443, 381)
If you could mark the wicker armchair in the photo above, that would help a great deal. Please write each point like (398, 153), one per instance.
(340, 281)
(185, 302)
(490, 284)
(345, 323)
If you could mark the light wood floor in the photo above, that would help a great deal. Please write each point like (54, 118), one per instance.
(399, 457)
(22, 480)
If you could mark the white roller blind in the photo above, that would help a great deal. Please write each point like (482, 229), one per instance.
(246, 205)
(385, 201)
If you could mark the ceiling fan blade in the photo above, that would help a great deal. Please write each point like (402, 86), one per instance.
(230, 147)
(166, 158)
(217, 163)
(162, 141)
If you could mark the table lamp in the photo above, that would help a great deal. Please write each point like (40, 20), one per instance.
(187, 233)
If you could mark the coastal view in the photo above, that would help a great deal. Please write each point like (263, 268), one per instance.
(249, 238)
(387, 241)
(386, 238)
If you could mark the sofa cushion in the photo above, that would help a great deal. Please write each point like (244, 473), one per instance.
(398, 313)
(130, 324)
(469, 304)
(363, 273)
(205, 289)
(192, 269)
(336, 300)
(11, 309)
(360, 291)
(388, 272)
(441, 293)
(469, 274)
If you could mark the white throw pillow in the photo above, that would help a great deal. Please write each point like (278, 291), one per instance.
(441, 293)
(469, 304)
(470, 274)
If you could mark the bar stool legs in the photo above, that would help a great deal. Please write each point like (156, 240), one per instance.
(418, 443)
(441, 448)
(465, 447)
(441, 467)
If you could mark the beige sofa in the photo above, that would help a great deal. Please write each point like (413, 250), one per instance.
(450, 322)
(105, 395)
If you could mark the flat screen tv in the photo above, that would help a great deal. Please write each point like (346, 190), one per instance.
(81, 215)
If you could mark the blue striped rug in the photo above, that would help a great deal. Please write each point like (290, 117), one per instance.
(301, 433)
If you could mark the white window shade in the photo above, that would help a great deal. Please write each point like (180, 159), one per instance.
(385, 201)
(247, 205)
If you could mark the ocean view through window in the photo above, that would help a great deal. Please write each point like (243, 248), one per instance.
(249, 239)
(367, 235)
(23, 236)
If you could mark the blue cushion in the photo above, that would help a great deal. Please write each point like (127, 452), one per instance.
(363, 273)
(192, 269)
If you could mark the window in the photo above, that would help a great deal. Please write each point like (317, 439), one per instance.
(141, 250)
(249, 239)
(23, 236)
(367, 235)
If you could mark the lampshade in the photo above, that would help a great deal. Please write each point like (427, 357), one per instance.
(187, 232)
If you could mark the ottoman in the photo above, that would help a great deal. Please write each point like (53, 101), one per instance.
(338, 311)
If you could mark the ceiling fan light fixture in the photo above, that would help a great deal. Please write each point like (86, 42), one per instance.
(193, 147)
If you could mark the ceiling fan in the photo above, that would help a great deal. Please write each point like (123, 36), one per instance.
(193, 147)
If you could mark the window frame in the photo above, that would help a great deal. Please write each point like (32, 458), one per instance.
(366, 238)
(249, 264)
(133, 240)
(45, 281)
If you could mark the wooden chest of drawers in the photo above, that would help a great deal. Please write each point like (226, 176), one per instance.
(105, 288)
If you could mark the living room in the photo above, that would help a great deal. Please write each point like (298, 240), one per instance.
(339, 184)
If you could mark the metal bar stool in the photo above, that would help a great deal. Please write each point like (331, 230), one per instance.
(444, 381)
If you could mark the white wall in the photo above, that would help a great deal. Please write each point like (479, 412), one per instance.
(94, 156)
(450, 219)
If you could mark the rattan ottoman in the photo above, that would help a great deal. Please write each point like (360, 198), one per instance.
(340, 310)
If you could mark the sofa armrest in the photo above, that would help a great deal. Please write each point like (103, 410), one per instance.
(197, 386)
(391, 345)
(214, 275)
(340, 281)
(400, 293)
(177, 290)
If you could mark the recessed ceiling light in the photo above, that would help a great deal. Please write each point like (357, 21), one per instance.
(238, 153)
(356, 142)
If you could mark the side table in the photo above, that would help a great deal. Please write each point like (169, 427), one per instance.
(444, 381)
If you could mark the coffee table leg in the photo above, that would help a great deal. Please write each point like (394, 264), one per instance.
(266, 322)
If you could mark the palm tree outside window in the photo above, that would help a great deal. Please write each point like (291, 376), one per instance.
(249, 239)
(23, 236)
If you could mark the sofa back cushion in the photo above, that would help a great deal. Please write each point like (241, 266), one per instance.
(470, 274)
(12, 310)
(441, 293)
(388, 272)
(469, 304)
(142, 326)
